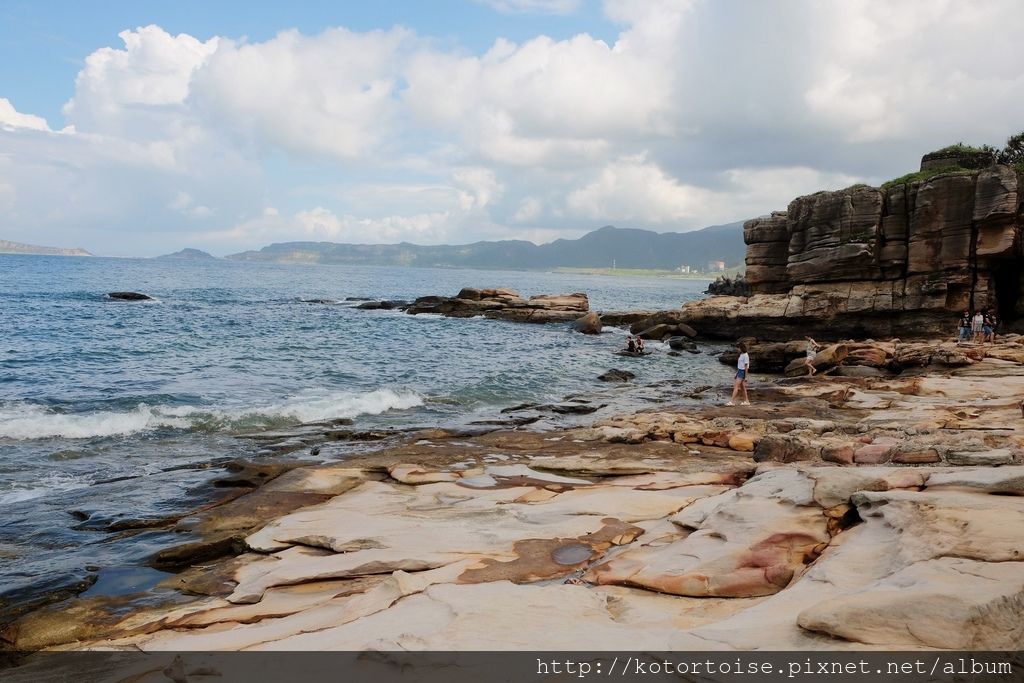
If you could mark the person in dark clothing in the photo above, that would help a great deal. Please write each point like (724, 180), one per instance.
(964, 328)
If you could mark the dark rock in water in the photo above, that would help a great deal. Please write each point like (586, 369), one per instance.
(634, 354)
(504, 304)
(727, 286)
(681, 344)
(674, 323)
(358, 298)
(615, 375)
(18, 600)
(318, 301)
(521, 407)
(588, 324)
(510, 422)
(574, 409)
(383, 305)
(204, 550)
(129, 296)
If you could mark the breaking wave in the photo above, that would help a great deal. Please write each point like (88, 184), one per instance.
(22, 420)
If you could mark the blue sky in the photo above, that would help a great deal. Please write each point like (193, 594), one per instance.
(138, 128)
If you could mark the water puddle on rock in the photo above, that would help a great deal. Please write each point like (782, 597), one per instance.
(572, 554)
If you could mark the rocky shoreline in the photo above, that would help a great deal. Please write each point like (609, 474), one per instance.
(836, 512)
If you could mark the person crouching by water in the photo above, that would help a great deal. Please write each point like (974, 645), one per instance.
(964, 328)
(812, 351)
(631, 344)
(742, 367)
(639, 345)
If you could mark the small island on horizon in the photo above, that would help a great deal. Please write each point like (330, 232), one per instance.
(8, 247)
(189, 254)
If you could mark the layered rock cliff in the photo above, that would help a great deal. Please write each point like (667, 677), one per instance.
(901, 260)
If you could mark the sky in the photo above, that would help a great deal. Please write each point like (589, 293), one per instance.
(136, 128)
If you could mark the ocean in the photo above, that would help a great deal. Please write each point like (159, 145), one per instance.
(113, 410)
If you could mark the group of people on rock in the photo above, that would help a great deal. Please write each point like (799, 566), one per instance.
(635, 344)
(978, 328)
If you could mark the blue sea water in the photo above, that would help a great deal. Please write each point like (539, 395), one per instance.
(111, 409)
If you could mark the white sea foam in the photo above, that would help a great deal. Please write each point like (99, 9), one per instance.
(19, 420)
(19, 492)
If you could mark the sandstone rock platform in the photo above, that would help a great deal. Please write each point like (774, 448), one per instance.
(832, 513)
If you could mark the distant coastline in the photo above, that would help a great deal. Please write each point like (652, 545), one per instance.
(649, 272)
(8, 247)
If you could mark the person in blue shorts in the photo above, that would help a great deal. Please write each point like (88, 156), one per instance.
(742, 368)
(964, 328)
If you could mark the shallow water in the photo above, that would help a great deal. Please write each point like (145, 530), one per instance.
(112, 409)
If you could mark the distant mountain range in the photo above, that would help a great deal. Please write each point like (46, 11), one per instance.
(189, 255)
(19, 248)
(625, 248)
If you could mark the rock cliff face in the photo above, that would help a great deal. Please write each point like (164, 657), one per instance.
(864, 261)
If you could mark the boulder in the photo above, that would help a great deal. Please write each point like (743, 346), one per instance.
(502, 304)
(743, 441)
(839, 453)
(828, 357)
(615, 375)
(673, 321)
(784, 448)
(658, 332)
(588, 324)
(681, 344)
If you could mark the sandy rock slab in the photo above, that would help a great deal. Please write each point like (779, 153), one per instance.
(748, 542)
(950, 603)
(529, 532)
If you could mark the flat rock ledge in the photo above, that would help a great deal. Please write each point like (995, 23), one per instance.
(842, 513)
(499, 304)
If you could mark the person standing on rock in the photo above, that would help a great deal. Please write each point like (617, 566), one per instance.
(978, 327)
(812, 351)
(964, 328)
(989, 328)
(742, 367)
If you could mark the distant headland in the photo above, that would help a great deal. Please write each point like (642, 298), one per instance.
(8, 247)
(709, 250)
(189, 254)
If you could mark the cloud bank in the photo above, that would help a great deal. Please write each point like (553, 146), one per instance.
(697, 113)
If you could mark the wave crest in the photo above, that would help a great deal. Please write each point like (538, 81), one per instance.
(24, 421)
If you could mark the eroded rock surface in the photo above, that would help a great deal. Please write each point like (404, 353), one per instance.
(879, 262)
(845, 512)
(504, 304)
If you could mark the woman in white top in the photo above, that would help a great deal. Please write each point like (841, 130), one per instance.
(742, 367)
(978, 327)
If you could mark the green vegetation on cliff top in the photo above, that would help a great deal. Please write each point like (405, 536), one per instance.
(965, 149)
(923, 175)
